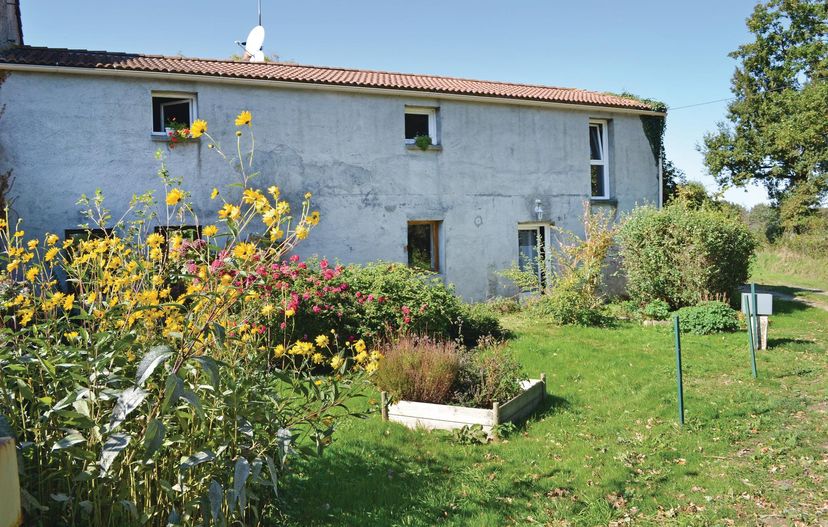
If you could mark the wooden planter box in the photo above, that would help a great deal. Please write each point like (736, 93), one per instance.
(447, 417)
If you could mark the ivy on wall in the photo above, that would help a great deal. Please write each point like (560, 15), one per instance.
(654, 125)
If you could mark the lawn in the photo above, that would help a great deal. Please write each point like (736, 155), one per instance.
(606, 447)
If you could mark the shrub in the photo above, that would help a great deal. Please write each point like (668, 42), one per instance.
(682, 255)
(502, 305)
(570, 305)
(159, 388)
(477, 321)
(419, 369)
(490, 374)
(656, 310)
(708, 317)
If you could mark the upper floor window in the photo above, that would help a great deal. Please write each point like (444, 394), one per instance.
(599, 159)
(420, 122)
(171, 110)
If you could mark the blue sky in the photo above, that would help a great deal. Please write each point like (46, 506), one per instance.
(672, 51)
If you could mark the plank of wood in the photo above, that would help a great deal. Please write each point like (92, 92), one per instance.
(433, 424)
(441, 412)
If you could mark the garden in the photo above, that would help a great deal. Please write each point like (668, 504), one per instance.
(159, 375)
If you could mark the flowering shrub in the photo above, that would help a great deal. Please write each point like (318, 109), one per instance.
(160, 385)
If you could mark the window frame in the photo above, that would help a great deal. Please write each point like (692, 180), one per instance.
(191, 97)
(543, 235)
(435, 243)
(603, 126)
(431, 112)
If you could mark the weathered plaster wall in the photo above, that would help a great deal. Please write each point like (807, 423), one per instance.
(69, 134)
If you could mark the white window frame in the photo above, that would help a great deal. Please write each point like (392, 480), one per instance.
(431, 112)
(181, 96)
(547, 231)
(604, 161)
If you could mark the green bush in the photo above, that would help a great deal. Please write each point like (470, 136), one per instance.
(683, 256)
(490, 374)
(708, 317)
(478, 321)
(656, 310)
(571, 305)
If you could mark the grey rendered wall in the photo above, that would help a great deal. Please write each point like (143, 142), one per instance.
(64, 135)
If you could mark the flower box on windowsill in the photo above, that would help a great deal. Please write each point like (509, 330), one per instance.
(165, 138)
(447, 417)
(431, 148)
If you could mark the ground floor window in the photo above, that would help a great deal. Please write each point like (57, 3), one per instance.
(423, 245)
(532, 251)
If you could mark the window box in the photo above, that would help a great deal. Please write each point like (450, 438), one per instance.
(448, 417)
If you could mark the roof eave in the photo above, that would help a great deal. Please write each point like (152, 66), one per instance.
(312, 85)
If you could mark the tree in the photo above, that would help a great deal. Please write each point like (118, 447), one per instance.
(671, 178)
(777, 129)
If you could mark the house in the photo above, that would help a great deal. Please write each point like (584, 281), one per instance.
(504, 162)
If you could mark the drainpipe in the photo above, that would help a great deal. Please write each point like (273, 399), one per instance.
(660, 181)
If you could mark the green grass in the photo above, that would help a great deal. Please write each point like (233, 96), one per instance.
(606, 446)
(778, 266)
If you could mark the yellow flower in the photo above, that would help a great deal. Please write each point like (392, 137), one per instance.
(12, 266)
(313, 219)
(274, 191)
(244, 118)
(372, 366)
(279, 350)
(283, 207)
(52, 239)
(337, 362)
(51, 253)
(229, 211)
(214, 194)
(267, 309)
(198, 128)
(270, 217)
(155, 239)
(322, 341)
(68, 243)
(72, 335)
(362, 356)
(174, 196)
(19, 234)
(302, 232)
(244, 251)
(68, 301)
(32, 244)
(308, 195)
(32, 273)
(318, 358)
(209, 230)
(359, 346)
(156, 253)
(26, 316)
(289, 313)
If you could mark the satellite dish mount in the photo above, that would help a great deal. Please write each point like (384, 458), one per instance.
(255, 39)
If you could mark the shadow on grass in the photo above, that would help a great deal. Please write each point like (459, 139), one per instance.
(795, 344)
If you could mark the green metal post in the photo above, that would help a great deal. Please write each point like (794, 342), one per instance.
(750, 340)
(755, 318)
(678, 370)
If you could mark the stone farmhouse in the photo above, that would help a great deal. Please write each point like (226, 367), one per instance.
(496, 165)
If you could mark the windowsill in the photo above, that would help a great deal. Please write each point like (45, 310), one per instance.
(604, 201)
(431, 148)
(164, 138)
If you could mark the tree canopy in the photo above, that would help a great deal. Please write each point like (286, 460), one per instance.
(777, 129)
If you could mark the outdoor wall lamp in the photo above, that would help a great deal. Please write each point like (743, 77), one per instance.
(538, 209)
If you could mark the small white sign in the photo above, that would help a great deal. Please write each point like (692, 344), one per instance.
(764, 303)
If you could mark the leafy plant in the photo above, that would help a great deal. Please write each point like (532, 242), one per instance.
(423, 142)
(470, 435)
(656, 310)
(419, 369)
(708, 317)
(682, 255)
(154, 389)
(488, 374)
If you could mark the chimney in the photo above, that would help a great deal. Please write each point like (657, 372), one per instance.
(11, 29)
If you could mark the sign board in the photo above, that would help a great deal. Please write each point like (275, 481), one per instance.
(764, 303)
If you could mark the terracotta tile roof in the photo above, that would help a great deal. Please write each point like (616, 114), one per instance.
(278, 71)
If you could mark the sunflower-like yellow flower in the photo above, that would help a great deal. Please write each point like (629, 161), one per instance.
(32, 244)
(244, 118)
(52, 239)
(229, 211)
(198, 128)
(209, 231)
(174, 196)
(68, 301)
(214, 194)
(267, 309)
(289, 313)
(244, 250)
(313, 218)
(302, 232)
(50, 254)
(318, 358)
(274, 191)
(155, 239)
(32, 273)
(278, 351)
(337, 362)
(322, 341)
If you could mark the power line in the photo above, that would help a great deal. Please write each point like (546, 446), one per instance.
(670, 109)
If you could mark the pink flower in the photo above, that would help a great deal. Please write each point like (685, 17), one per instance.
(406, 310)
(316, 309)
(407, 320)
(370, 298)
(323, 264)
(294, 258)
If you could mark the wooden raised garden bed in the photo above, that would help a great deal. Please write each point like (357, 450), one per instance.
(447, 417)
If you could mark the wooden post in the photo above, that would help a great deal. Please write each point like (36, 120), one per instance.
(754, 308)
(543, 381)
(495, 413)
(763, 332)
(679, 380)
(384, 405)
(10, 513)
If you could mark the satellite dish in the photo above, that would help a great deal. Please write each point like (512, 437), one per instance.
(258, 57)
(254, 41)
